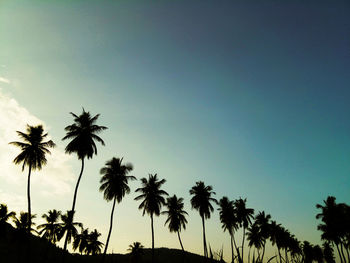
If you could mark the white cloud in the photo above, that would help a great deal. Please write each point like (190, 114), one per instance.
(4, 80)
(55, 179)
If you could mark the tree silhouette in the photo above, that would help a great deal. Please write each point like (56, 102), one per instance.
(80, 241)
(83, 134)
(152, 199)
(94, 246)
(263, 221)
(136, 251)
(21, 223)
(33, 151)
(229, 222)
(244, 216)
(201, 201)
(176, 216)
(328, 253)
(68, 227)
(5, 215)
(51, 229)
(255, 238)
(114, 184)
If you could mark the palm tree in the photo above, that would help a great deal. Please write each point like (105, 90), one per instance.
(81, 241)
(136, 251)
(229, 222)
(328, 253)
(176, 216)
(68, 227)
(114, 184)
(94, 246)
(5, 215)
(51, 229)
(33, 151)
(201, 201)
(255, 238)
(244, 216)
(21, 223)
(152, 199)
(263, 221)
(83, 133)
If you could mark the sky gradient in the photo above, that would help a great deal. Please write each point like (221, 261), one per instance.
(249, 97)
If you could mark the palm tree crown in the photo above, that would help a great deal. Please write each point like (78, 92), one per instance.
(152, 195)
(176, 215)
(202, 199)
(83, 133)
(51, 229)
(33, 148)
(5, 215)
(114, 182)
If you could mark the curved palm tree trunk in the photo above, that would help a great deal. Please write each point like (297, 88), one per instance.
(178, 235)
(109, 232)
(232, 254)
(28, 197)
(74, 199)
(204, 239)
(347, 253)
(152, 238)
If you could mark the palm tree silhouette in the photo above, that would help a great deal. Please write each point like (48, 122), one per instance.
(229, 222)
(94, 246)
(51, 229)
(328, 253)
(21, 223)
(152, 199)
(244, 216)
(255, 239)
(5, 215)
(80, 241)
(136, 251)
(114, 184)
(263, 221)
(33, 151)
(176, 216)
(83, 134)
(68, 227)
(201, 201)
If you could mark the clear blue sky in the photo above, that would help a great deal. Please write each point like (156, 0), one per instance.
(251, 97)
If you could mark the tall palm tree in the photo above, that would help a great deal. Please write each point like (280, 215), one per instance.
(5, 215)
(50, 230)
(229, 222)
(176, 216)
(201, 201)
(114, 184)
(83, 134)
(152, 199)
(94, 246)
(263, 221)
(68, 227)
(33, 151)
(255, 238)
(244, 216)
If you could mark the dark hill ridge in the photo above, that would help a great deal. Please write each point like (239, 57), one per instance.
(14, 249)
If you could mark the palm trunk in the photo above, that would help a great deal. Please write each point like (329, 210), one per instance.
(109, 232)
(204, 240)
(232, 255)
(249, 254)
(29, 219)
(238, 254)
(342, 251)
(341, 259)
(243, 243)
(178, 235)
(74, 199)
(279, 253)
(152, 238)
(347, 253)
(286, 255)
(263, 252)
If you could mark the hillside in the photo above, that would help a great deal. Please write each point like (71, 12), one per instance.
(14, 249)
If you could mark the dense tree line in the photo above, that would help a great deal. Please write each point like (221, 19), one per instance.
(257, 229)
